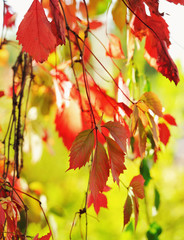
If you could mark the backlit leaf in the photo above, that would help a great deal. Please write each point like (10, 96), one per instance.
(100, 171)
(176, 1)
(142, 138)
(2, 219)
(153, 102)
(34, 33)
(119, 14)
(154, 129)
(134, 118)
(164, 133)
(116, 156)
(59, 20)
(101, 201)
(137, 184)
(81, 149)
(125, 108)
(115, 50)
(127, 210)
(170, 119)
(118, 132)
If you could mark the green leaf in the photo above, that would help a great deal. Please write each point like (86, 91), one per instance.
(157, 199)
(145, 172)
(154, 231)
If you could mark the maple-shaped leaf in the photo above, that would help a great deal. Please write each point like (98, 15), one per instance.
(153, 102)
(45, 237)
(34, 33)
(164, 133)
(81, 149)
(115, 50)
(58, 20)
(100, 171)
(100, 201)
(119, 12)
(170, 119)
(118, 132)
(116, 156)
(137, 184)
(128, 207)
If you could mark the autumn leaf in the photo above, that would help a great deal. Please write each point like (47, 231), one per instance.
(136, 209)
(2, 219)
(154, 129)
(115, 50)
(45, 237)
(128, 207)
(176, 1)
(137, 184)
(164, 133)
(116, 156)
(125, 108)
(170, 119)
(134, 118)
(100, 201)
(153, 102)
(59, 20)
(34, 33)
(118, 132)
(119, 14)
(81, 149)
(100, 171)
(142, 138)
(1, 93)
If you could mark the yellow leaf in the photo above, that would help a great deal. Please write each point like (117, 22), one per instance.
(119, 14)
(153, 102)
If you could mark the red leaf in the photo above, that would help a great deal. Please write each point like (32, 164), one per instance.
(95, 24)
(116, 156)
(34, 33)
(59, 20)
(127, 210)
(81, 149)
(100, 201)
(125, 108)
(1, 93)
(99, 172)
(137, 184)
(118, 132)
(46, 237)
(164, 133)
(115, 49)
(9, 18)
(170, 119)
(136, 209)
(2, 219)
(176, 1)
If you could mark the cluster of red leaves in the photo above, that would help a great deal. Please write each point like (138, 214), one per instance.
(9, 17)
(155, 30)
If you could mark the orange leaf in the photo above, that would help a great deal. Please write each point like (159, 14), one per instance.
(34, 33)
(142, 138)
(117, 160)
(134, 118)
(119, 14)
(81, 149)
(118, 132)
(153, 102)
(100, 171)
(154, 129)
